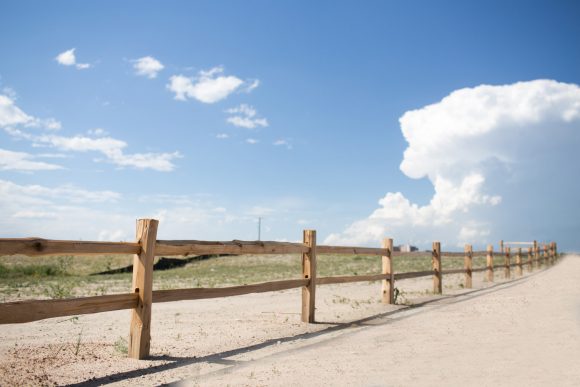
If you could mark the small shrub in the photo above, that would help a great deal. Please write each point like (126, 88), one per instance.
(121, 346)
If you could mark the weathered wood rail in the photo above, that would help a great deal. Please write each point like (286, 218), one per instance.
(147, 247)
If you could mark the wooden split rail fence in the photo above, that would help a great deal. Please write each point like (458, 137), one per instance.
(147, 247)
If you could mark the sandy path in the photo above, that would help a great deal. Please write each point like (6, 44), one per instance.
(523, 332)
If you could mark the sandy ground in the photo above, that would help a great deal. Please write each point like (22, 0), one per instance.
(523, 331)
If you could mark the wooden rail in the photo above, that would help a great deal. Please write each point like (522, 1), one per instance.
(38, 246)
(34, 310)
(146, 247)
(203, 293)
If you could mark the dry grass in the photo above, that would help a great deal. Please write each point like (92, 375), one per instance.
(23, 277)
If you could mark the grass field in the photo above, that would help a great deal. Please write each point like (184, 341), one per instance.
(50, 277)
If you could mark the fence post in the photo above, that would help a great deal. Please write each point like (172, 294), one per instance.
(501, 248)
(309, 272)
(519, 262)
(468, 266)
(530, 259)
(437, 277)
(140, 333)
(388, 283)
(545, 253)
(552, 253)
(537, 255)
(489, 263)
(556, 250)
(507, 263)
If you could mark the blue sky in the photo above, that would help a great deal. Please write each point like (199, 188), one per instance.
(324, 84)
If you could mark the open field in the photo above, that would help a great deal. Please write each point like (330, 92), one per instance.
(45, 277)
(511, 332)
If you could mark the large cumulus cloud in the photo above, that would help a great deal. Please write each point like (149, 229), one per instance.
(503, 162)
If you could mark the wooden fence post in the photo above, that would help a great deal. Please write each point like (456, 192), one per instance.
(501, 248)
(489, 263)
(552, 253)
(530, 259)
(309, 272)
(437, 276)
(556, 250)
(545, 253)
(537, 254)
(519, 271)
(468, 266)
(507, 263)
(140, 334)
(389, 283)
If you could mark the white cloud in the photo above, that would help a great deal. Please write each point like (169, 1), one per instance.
(97, 132)
(113, 149)
(285, 143)
(208, 87)
(252, 141)
(11, 115)
(35, 215)
(222, 136)
(251, 85)
(148, 67)
(245, 116)
(20, 161)
(68, 58)
(65, 193)
(487, 151)
(114, 235)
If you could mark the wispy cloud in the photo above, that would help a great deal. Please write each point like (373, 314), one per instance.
(209, 86)
(13, 120)
(284, 143)
(68, 58)
(64, 193)
(245, 116)
(147, 66)
(252, 141)
(222, 136)
(20, 161)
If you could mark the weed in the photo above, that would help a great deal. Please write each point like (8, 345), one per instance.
(77, 346)
(59, 291)
(121, 346)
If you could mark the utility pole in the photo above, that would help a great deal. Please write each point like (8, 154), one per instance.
(259, 228)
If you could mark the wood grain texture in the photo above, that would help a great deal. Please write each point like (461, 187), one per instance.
(350, 250)
(34, 310)
(193, 247)
(309, 273)
(388, 284)
(351, 278)
(140, 331)
(38, 246)
(203, 293)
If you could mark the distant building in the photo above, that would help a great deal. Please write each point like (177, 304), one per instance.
(406, 248)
